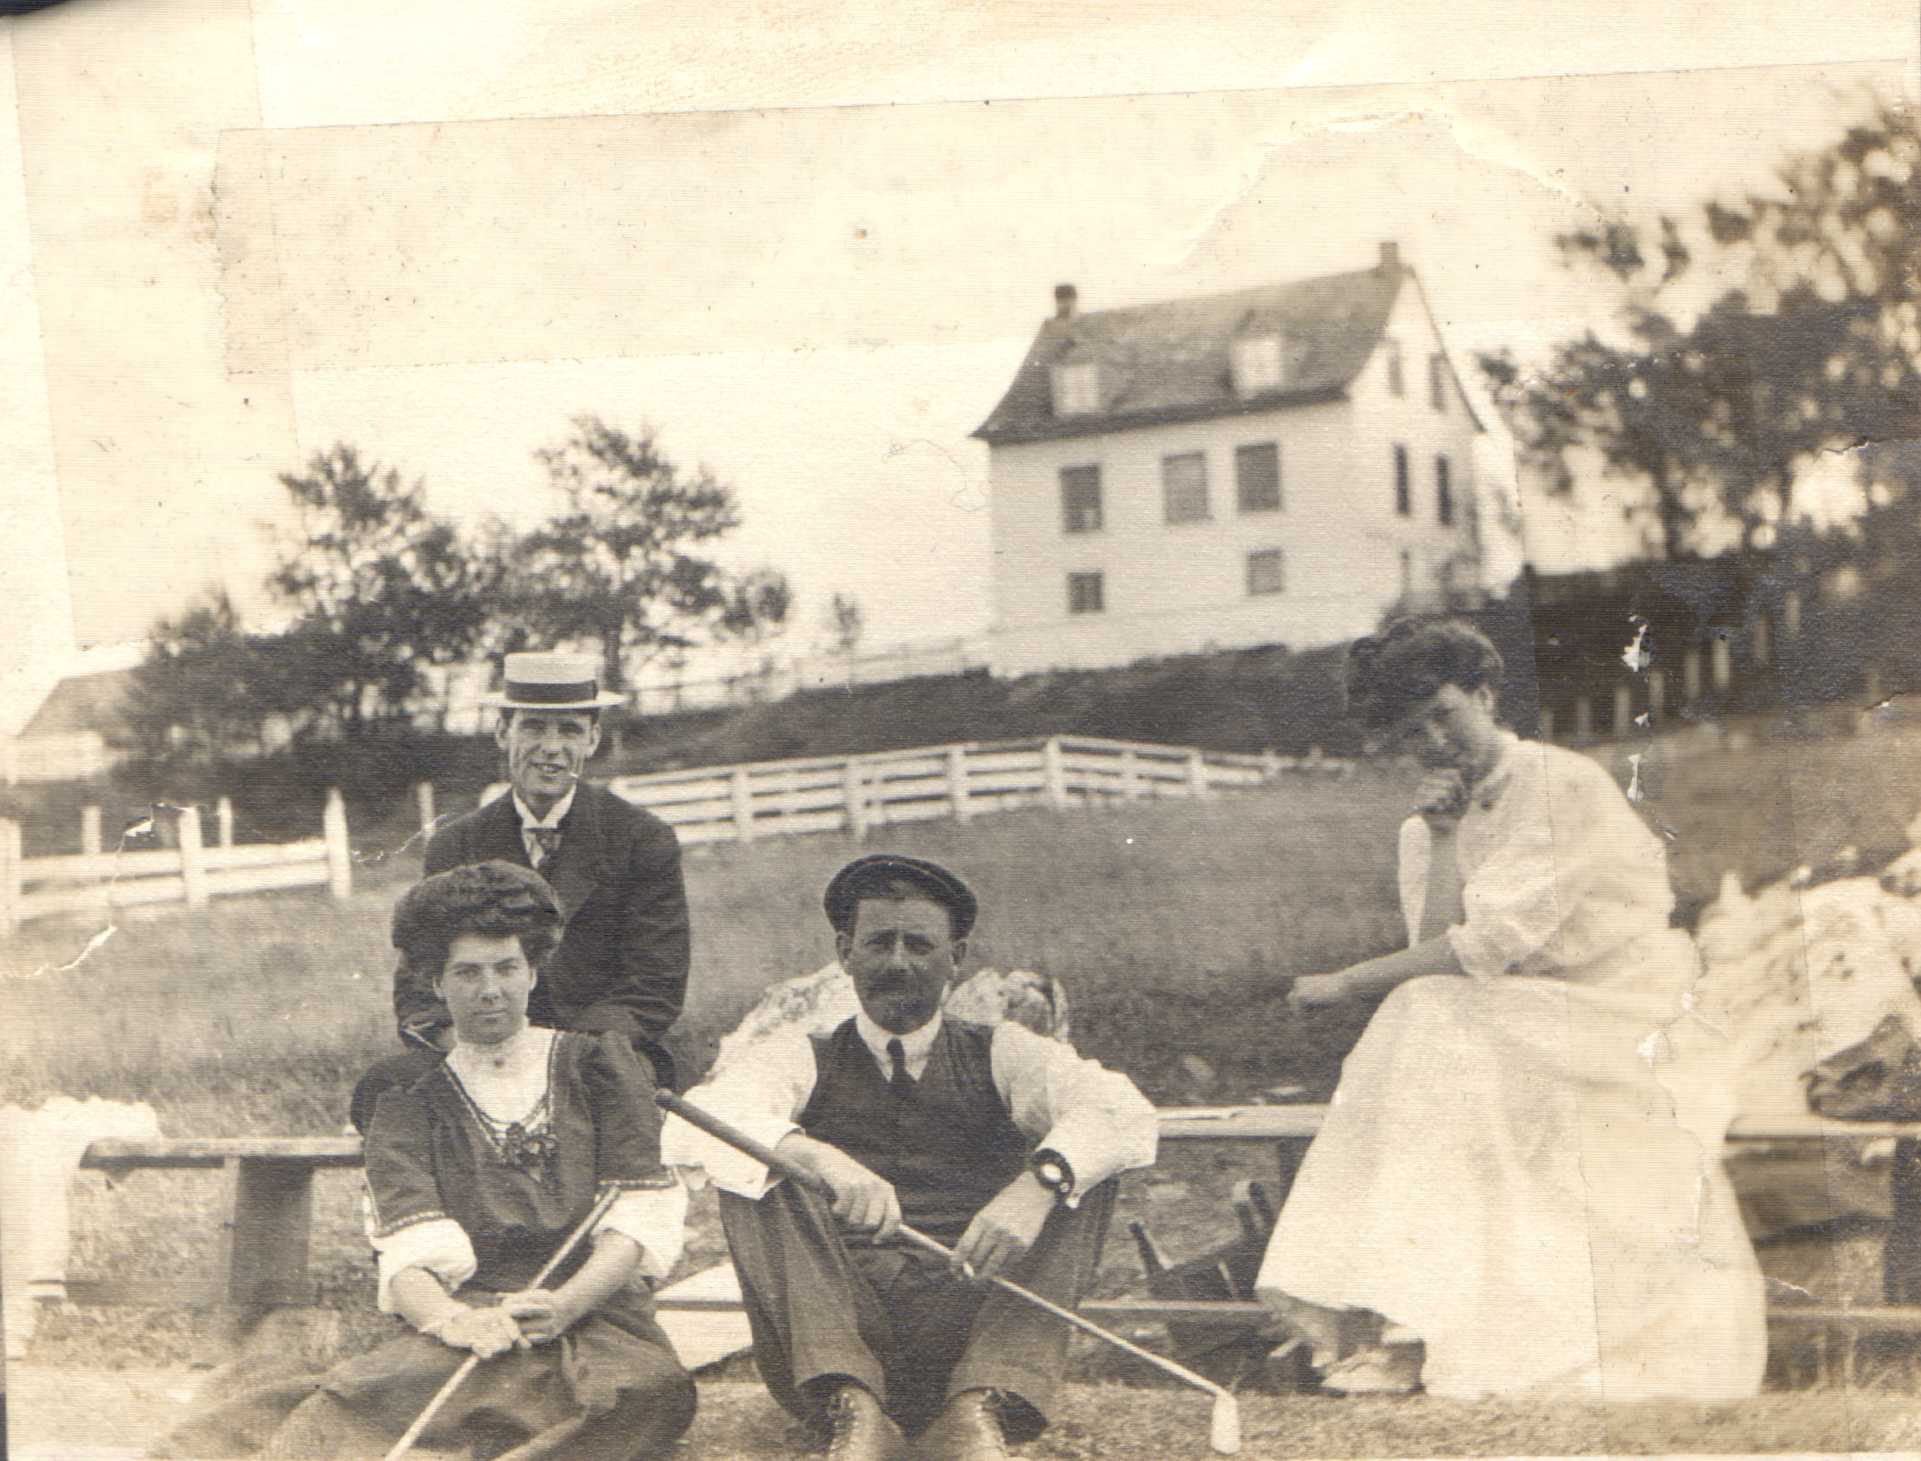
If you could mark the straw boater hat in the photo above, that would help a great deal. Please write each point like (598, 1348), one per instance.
(548, 681)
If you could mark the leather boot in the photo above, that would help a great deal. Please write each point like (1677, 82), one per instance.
(967, 1429)
(859, 1429)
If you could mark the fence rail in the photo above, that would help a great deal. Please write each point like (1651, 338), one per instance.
(959, 780)
(97, 881)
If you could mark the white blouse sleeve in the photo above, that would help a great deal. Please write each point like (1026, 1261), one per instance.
(1544, 843)
(1411, 869)
(763, 1097)
(656, 1219)
(1094, 1117)
(439, 1245)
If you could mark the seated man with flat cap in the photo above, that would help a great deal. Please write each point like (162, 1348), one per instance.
(621, 968)
(994, 1140)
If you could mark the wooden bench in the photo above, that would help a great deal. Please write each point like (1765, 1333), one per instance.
(262, 1257)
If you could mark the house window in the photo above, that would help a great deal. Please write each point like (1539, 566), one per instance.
(1443, 493)
(1085, 593)
(1257, 476)
(1077, 389)
(1184, 486)
(1396, 372)
(1407, 574)
(1081, 499)
(1437, 380)
(1403, 494)
(1257, 364)
(1265, 573)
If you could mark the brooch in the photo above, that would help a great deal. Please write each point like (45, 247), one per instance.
(532, 1152)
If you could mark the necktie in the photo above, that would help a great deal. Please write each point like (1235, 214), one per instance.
(546, 843)
(900, 1082)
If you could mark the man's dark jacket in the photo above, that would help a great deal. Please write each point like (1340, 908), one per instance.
(622, 962)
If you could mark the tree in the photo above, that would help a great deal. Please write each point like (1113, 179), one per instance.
(196, 696)
(381, 589)
(1714, 403)
(613, 568)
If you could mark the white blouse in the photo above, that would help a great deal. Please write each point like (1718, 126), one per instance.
(1557, 871)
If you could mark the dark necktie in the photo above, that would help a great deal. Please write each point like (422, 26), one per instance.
(546, 843)
(900, 1082)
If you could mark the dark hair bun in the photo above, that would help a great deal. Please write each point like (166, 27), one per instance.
(1390, 673)
(491, 898)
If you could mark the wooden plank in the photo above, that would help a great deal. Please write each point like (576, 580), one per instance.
(264, 854)
(179, 1293)
(265, 1239)
(267, 879)
(216, 1151)
(121, 894)
(98, 866)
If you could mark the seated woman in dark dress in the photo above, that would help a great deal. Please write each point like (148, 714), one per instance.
(476, 1174)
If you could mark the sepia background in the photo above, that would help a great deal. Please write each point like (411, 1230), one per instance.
(810, 257)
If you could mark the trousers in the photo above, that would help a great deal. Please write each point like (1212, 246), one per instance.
(825, 1305)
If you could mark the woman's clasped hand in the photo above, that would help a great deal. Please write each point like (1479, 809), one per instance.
(486, 1330)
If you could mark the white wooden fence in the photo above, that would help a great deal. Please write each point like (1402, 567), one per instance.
(857, 793)
(95, 881)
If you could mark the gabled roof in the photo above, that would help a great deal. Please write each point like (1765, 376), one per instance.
(83, 703)
(1171, 361)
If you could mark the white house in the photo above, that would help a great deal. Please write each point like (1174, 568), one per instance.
(1277, 465)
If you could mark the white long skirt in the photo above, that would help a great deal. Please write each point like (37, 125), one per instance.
(1503, 1172)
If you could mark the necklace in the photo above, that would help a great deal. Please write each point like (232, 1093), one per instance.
(527, 1145)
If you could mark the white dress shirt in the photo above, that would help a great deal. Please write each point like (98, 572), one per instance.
(1092, 1116)
(550, 822)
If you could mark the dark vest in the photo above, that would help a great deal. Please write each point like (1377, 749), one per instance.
(946, 1149)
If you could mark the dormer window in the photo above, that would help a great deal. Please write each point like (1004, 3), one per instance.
(1257, 364)
(1077, 389)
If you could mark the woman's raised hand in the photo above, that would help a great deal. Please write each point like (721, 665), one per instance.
(1317, 991)
(1441, 798)
(486, 1331)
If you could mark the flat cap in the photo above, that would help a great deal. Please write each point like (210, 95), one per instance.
(879, 871)
(490, 897)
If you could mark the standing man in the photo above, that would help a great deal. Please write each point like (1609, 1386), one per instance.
(999, 1142)
(622, 962)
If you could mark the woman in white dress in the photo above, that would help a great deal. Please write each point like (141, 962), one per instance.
(1508, 1172)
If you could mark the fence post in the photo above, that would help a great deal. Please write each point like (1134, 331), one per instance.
(424, 803)
(223, 816)
(1270, 763)
(1657, 694)
(743, 805)
(90, 830)
(957, 782)
(1053, 774)
(1691, 677)
(340, 861)
(856, 799)
(193, 872)
(1623, 712)
(1196, 773)
(1547, 722)
(1723, 652)
(10, 875)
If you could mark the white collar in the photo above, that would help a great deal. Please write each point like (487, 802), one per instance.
(554, 813)
(525, 1054)
(915, 1044)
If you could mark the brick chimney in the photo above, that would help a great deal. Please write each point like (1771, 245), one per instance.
(1390, 258)
(1066, 298)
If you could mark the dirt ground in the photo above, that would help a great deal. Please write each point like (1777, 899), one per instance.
(109, 1415)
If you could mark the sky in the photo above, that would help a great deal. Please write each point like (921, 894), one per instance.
(814, 290)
